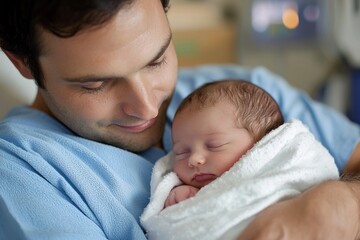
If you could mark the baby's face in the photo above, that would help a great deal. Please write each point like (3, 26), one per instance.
(207, 143)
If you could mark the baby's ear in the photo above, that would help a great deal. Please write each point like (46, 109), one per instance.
(20, 64)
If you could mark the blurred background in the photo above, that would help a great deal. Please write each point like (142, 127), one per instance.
(313, 44)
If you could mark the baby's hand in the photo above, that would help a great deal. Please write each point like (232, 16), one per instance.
(180, 193)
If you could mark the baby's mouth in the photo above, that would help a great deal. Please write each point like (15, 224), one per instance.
(204, 177)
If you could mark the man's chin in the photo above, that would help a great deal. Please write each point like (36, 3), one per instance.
(136, 142)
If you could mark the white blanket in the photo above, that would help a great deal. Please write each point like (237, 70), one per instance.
(286, 162)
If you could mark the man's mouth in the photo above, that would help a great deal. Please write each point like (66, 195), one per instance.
(138, 127)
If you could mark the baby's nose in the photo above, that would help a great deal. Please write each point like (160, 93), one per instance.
(196, 160)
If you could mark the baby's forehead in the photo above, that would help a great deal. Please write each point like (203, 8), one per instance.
(197, 105)
(197, 110)
(210, 135)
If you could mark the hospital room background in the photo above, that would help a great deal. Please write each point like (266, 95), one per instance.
(313, 44)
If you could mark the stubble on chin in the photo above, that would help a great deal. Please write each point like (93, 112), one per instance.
(136, 142)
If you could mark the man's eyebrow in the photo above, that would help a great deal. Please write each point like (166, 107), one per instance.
(161, 51)
(94, 78)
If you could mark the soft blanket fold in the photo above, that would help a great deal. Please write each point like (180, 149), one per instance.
(286, 162)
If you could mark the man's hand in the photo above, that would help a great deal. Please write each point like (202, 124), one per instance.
(180, 193)
(329, 211)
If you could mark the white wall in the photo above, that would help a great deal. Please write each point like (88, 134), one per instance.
(14, 89)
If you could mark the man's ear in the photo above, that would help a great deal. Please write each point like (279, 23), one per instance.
(20, 64)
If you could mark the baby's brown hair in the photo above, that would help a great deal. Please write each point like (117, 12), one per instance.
(256, 110)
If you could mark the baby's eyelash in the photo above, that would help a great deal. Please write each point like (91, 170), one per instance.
(180, 153)
(216, 145)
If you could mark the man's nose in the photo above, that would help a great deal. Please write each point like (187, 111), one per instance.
(142, 102)
(196, 159)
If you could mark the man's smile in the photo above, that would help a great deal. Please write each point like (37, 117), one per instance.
(137, 127)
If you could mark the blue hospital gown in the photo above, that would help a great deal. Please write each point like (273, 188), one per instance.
(56, 185)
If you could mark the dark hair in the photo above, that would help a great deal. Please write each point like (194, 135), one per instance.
(20, 19)
(256, 110)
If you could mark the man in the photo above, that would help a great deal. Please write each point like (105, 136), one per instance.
(76, 164)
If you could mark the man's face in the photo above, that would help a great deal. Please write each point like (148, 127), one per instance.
(113, 83)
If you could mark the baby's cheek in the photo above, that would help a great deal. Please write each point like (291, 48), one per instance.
(177, 167)
(181, 169)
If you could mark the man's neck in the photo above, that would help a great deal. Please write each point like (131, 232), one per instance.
(40, 104)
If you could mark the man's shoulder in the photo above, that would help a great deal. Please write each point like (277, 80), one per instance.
(26, 131)
(22, 121)
(213, 72)
(191, 78)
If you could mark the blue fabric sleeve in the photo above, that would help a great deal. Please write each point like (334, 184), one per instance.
(331, 128)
